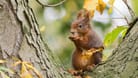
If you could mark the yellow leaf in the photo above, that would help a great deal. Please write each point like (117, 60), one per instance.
(90, 5)
(24, 72)
(16, 63)
(15, 58)
(87, 76)
(23, 69)
(29, 66)
(110, 10)
(2, 61)
(104, 58)
(42, 28)
(101, 6)
(111, 2)
(91, 13)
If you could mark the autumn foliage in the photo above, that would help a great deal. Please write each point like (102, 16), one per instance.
(99, 5)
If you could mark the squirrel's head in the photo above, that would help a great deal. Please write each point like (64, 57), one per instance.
(81, 25)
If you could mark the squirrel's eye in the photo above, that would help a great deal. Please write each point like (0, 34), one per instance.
(80, 25)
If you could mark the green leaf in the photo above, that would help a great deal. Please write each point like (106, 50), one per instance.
(124, 32)
(112, 36)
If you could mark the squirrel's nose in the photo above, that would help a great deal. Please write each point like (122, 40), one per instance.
(72, 32)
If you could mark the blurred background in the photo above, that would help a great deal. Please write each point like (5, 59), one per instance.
(54, 24)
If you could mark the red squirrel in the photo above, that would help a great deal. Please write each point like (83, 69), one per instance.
(84, 39)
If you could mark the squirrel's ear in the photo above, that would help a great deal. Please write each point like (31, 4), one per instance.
(83, 14)
(79, 15)
(87, 15)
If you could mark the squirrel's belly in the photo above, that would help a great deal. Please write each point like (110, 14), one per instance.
(80, 61)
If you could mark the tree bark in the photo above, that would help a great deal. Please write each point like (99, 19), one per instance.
(20, 40)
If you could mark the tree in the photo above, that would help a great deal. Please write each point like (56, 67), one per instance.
(20, 41)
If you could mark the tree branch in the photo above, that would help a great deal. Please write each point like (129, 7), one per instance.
(131, 25)
(51, 5)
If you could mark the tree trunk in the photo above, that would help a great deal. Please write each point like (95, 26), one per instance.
(123, 63)
(20, 40)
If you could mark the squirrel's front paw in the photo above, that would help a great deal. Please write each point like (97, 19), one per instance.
(90, 67)
(75, 72)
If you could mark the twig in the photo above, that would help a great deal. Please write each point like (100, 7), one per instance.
(121, 14)
(51, 5)
(129, 8)
(119, 11)
(132, 15)
(126, 20)
(111, 18)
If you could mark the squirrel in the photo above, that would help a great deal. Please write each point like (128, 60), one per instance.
(88, 46)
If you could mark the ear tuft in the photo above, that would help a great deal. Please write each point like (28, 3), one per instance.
(83, 14)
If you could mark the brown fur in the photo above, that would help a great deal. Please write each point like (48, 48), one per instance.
(84, 38)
